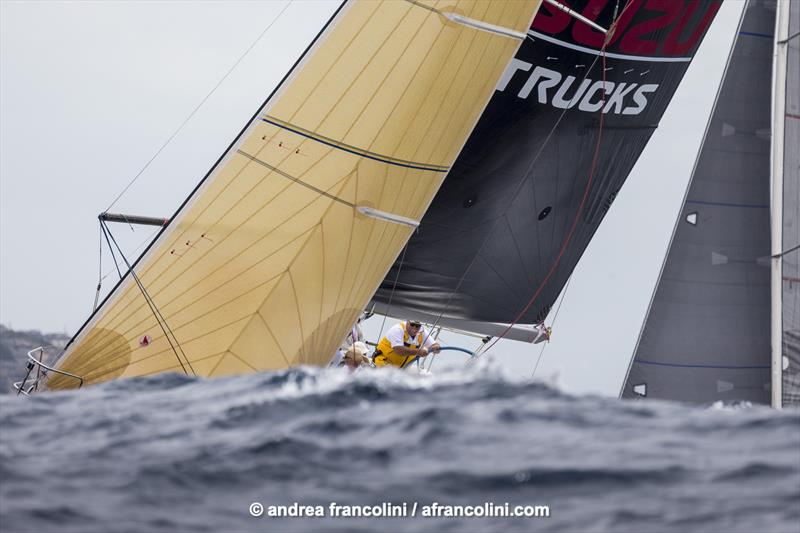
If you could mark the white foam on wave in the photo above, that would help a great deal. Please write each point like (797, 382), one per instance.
(720, 405)
(309, 381)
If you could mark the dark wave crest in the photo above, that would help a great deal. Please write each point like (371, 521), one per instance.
(172, 452)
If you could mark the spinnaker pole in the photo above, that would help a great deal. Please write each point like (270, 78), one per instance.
(133, 219)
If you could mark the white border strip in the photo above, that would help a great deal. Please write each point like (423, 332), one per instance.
(383, 215)
(592, 51)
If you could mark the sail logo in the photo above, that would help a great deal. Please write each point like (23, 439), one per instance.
(646, 28)
(588, 95)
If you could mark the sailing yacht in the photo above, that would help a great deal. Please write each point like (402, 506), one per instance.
(724, 319)
(251, 274)
(263, 265)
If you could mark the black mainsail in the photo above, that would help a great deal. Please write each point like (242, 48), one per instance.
(527, 193)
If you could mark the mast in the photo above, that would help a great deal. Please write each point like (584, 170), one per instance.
(776, 209)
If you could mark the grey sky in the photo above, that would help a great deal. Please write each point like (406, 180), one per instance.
(89, 92)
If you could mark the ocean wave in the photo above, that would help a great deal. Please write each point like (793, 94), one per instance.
(172, 452)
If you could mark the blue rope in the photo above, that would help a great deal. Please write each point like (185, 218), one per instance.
(456, 348)
(443, 348)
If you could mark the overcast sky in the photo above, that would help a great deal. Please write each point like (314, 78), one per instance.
(90, 91)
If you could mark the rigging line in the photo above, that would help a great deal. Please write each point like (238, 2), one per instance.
(572, 228)
(553, 323)
(159, 317)
(99, 272)
(111, 248)
(478, 349)
(535, 158)
(138, 247)
(394, 286)
(197, 108)
(582, 204)
(781, 254)
(789, 38)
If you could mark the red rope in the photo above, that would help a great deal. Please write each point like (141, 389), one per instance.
(583, 199)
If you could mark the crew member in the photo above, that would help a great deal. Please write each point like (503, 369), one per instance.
(403, 343)
(355, 357)
(356, 335)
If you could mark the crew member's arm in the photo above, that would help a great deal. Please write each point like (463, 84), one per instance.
(430, 344)
(407, 351)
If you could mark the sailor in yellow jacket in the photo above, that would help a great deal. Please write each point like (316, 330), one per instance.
(403, 343)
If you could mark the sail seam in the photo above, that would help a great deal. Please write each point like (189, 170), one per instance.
(187, 341)
(726, 204)
(756, 34)
(236, 356)
(211, 356)
(296, 180)
(207, 313)
(344, 183)
(204, 295)
(274, 338)
(216, 365)
(682, 365)
(453, 95)
(352, 149)
(223, 238)
(294, 292)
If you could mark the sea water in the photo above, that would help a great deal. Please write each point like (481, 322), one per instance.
(326, 450)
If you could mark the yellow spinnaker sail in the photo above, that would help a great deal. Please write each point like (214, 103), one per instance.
(276, 253)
